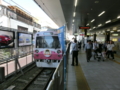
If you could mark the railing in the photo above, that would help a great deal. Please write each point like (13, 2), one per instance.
(58, 81)
(11, 14)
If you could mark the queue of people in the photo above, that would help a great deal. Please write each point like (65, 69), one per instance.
(105, 50)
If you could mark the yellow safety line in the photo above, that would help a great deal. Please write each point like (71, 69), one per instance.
(115, 60)
(80, 78)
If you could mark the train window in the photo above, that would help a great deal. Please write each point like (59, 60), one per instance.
(47, 42)
(48, 33)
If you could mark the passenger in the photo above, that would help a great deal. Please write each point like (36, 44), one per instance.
(74, 52)
(95, 48)
(105, 46)
(79, 44)
(104, 54)
(88, 50)
(110, 50)
(72, 41)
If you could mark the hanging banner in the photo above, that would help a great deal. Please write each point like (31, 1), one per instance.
(62, 37)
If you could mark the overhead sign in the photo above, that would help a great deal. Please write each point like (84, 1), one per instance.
(81, 34)
(84, 27)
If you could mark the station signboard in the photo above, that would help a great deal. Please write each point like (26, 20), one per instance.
(84, 27)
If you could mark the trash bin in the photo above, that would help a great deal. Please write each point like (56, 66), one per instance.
(2, 74)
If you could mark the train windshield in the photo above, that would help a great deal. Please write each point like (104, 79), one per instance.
(47, 42)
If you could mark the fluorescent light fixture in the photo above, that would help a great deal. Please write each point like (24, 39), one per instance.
(111, 31)
(118, 17)
(76, 3)
(93, 20)
(88, 24)
(118, 30)
(108, 21)
(103, 31)
(94, 27)
(101, 13)
(108, 29)
(114, 28)
(99, 25)
(74, 14)
(73, 20)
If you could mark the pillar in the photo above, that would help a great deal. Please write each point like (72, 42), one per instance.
(107, 36)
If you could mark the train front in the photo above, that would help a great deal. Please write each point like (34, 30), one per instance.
(48, 51)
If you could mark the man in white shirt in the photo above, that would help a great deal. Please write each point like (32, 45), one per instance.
(74, 52)
(95, 47)
(110, 49)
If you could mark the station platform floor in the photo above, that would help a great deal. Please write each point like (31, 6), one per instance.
(93, 75)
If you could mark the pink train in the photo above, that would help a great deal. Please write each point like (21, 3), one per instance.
(48, 51)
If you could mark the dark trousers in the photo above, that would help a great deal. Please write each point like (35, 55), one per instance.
(88, 54)
(75, 56)
(110, 52)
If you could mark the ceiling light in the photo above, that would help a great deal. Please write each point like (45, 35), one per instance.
(99, 25)
(118, 17)
(108, 21)
(73, 20)
(93, 20)
(111, 31)
(74, 14)
(118, 30)
(96, 1)
(76, 3)
(101, 13)
(94, 27)
(108, 29)
(87, 24)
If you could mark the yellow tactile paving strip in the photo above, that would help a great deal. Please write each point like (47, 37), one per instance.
(80, 78)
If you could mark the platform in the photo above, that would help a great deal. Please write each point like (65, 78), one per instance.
(93, 75)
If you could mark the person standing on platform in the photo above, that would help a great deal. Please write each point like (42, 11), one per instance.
(95, 48)
(74, 52)
(110, 49)
(88, 50)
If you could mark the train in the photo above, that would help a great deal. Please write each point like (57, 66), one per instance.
(48, 50)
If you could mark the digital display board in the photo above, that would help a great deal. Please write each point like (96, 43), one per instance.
(24, 39)
(6, 39)
(84, 27)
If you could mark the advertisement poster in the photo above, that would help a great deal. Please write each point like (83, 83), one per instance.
(24, 39)
(6, 39)
(62, 37)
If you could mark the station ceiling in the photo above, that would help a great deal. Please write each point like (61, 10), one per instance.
(86, 12)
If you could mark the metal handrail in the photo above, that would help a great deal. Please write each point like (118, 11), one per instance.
(56, 76)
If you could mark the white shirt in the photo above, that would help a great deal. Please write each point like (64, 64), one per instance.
(110, 46)
(95, 46)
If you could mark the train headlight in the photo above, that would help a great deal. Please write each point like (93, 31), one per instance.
(58, 51)
(37, 51)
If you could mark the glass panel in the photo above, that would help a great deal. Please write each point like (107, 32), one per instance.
(47, 42)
